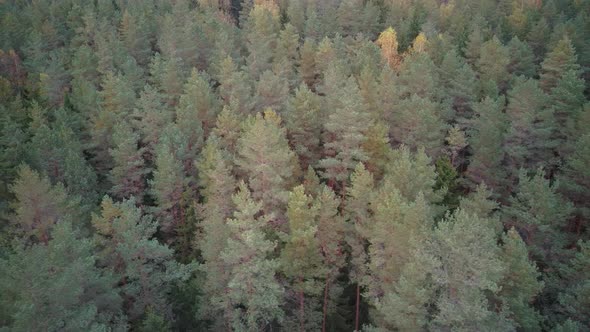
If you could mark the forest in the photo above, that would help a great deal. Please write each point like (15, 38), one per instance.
(294, 165)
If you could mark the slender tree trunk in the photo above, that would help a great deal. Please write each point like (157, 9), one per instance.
(302, 311)
(358, 304)
(325, 303)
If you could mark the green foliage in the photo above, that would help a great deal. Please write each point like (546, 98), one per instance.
(253, 296)
(56, 286)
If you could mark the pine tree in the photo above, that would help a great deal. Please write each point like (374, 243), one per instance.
(234, 87)
(459, 82)
(575, 179)
(359, 227)
(528, 143)
(56, 151)
(146, 267)
(331, 236)
(412, 174)
(539, 213)
(217, 186)
(574, 299)
(486, 138)
(557, 62)
(262, 31)
(286, 55)
(38, 205)
(253, 294)
(129, 171)
(521, 58)
(396, 224)
(345, 131)
(493, 62)
(271, 92)
(198, 102)
(168, 76)
(303, 125)
(150, 117)
(267, 161)
(56, 286)
(307, 65)
(168, 187)
(417, 125)
(567, 98)
(349, 17)
(470, 267)
(228, 129)
(520, 284)
(301, 260)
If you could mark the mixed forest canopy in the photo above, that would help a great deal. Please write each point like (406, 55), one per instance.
(295, 165)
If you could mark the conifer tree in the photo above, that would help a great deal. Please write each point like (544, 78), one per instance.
(129, 171)
(56, 151)
(470, 266)
(331, 234)
(567, 99)
(459, 82)
(301, 259)
(271, 92)
(168, 187)
(228, 129)
(198, 102)
(146, 267)
(556, 63)
(396, 223)
(38, 205)
(234, 88)
(574, 299)
(217, 186)
(486, 137)
(493, 62)
(345, 128)
(261, 34)
(575, 179)
(70, 293)
(303, 125)
(521, 58)
(528, 141)
(417, 125)
(267, 161)
(307, 64)
(287, 54)
(539, 213)
(358, 214)
(412, 174)
(520, 284)
(253, 294)
(150, 117)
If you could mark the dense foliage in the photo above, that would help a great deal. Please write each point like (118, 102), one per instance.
(295, 165)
